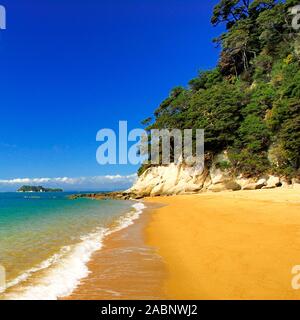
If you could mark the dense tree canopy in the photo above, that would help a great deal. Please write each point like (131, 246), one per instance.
(249, 104)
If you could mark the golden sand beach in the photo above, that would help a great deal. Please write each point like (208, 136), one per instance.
(237, 245)
(231, 245)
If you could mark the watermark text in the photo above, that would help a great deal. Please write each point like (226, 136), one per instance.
(2, 18)
(295, 12)
(157, 147)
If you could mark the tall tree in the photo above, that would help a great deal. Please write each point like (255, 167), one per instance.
(230, 11)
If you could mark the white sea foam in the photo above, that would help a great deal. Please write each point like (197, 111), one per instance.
(44, 265)
(64, 270)
(129, 218)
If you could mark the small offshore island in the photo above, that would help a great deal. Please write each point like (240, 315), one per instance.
(37, 189)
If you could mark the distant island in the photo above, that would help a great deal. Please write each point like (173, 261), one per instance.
(37, 189)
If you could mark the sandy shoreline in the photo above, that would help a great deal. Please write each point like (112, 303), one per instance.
(240, 245)
(232, 245)
(125, 267)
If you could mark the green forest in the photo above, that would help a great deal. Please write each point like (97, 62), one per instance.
(38, 189)
(249, 104)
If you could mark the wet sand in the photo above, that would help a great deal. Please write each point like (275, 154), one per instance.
(125, 268)
(231, 245)
(234, 245)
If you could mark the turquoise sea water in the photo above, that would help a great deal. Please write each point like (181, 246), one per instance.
(47, 239)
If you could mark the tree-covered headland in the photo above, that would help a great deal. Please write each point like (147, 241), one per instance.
(249, 104)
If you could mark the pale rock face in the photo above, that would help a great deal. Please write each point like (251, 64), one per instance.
(257, 185)
(243, 182)
(180, 178)
(273, 182)
(262, 181)
(216, 175)
(147, 182)
(250, 186)
(157, 190)
(228, 185)
(192, 188)
(217, 187)
(170, 179)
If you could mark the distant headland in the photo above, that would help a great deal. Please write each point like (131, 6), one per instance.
(37, 189)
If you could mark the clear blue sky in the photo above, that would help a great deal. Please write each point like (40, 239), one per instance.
(71, 67)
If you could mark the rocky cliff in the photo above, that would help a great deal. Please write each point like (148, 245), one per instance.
(179, 178)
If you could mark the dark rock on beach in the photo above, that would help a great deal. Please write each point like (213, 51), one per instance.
(121, 195)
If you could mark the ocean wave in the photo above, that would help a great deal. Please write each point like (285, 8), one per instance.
(65, 270)
(129, 218)
(44, 265)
